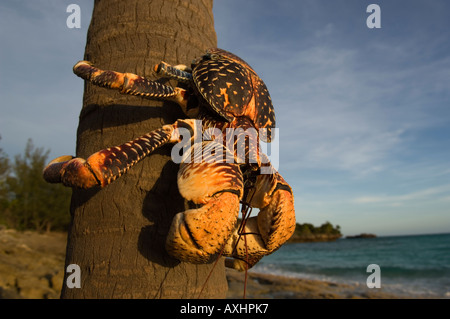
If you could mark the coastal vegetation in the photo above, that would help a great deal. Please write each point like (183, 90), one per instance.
(27, 202)
(309, 233)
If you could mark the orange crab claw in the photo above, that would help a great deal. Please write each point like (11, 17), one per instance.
(198, 235)
(269, 230)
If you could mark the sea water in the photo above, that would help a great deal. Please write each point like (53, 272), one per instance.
(410, 265)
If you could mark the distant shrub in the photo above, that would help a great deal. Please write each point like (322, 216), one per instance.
(26, 200)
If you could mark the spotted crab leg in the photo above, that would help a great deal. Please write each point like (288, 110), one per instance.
(129, 83)
(271, 228)
(178, 72)
(103, 167)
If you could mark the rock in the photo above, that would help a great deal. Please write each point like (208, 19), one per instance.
(31, 264)
(56, 280)
(363, 235)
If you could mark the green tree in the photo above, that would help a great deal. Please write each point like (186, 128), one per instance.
(326, 228)
(304, 229)
(33, 203)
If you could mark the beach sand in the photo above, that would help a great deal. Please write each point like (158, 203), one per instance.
(278, 287)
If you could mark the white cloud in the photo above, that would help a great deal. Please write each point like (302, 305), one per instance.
(433, 193)
(327, 30)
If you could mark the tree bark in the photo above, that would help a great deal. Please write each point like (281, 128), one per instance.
(117, 234)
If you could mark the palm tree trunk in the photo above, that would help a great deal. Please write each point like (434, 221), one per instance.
(117, 234)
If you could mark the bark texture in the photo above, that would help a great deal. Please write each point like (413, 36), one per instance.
(118, 233)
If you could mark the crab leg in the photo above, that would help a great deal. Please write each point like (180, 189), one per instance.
(270, 229)
(129, 83)
(103, 167)
(178, 72)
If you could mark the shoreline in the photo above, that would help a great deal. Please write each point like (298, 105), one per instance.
(269, 286)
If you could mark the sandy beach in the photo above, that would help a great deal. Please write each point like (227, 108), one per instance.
(278, 287)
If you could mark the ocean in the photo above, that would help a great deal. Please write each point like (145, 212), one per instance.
(415, 265)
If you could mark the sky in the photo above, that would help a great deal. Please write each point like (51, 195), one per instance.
(363, 113)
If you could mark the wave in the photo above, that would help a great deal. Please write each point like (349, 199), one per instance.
(410, 264)
(407, 285)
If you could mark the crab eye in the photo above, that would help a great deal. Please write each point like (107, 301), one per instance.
(210, 56)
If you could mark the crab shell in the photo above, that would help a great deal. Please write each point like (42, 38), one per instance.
(233, 89)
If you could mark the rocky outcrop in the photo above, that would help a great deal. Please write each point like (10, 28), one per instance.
(363, 235)
(31, 264)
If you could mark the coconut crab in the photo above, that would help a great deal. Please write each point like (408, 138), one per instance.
(219, 93)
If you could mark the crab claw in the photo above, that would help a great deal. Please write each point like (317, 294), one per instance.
(73, 172)
(52, 172)
(198, 235)
(269, 230)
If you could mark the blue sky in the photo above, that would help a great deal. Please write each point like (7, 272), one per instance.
(363, 114)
